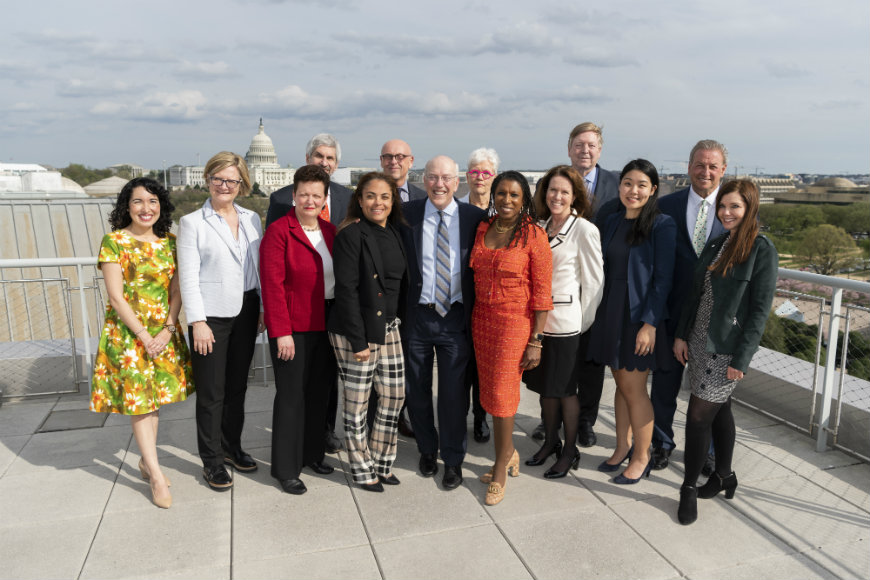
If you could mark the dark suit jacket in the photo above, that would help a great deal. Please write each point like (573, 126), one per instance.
(415, 192)
(281, 201)
(360, 300)
(412, 235)
(606, 188)
(291, 277)
(741, 301)
(674, 205)
(650, 269)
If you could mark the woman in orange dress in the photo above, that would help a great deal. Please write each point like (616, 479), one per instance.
(513, 270)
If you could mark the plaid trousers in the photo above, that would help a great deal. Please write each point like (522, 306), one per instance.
(371, 454)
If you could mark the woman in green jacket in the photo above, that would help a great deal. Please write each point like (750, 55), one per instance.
(719, 331)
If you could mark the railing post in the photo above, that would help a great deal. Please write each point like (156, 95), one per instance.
(85, 326)
(830, 367)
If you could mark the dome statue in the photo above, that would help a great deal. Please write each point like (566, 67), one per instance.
(261, 153)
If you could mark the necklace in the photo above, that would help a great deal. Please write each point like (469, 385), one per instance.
(502, 229)
(313, 228)
(554, 228)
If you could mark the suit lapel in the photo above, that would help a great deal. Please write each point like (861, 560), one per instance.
(223, 231)
(375, 254)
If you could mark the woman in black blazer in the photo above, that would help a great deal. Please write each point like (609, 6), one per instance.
(719, 331)
(370, 285)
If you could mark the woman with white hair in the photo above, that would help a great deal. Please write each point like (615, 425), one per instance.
(482, 167)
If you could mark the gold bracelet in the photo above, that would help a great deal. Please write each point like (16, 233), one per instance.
(144, 328)
(534, 345)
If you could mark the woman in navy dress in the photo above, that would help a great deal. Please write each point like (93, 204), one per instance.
(638, 244)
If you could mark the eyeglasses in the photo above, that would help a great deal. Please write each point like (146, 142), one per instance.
(586, 146)
(388, 158)
(231, 183)
(475, 173)
(437, 178)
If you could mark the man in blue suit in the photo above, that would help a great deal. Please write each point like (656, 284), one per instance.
(584, 150)
(323, 150)
(694, 211)
(438, 241)
(396, 160)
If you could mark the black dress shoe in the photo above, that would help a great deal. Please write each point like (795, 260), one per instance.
(586, 436)
(332, 442)
(709, 465)
(240, 460)
(661, 457)
(687, 513)
(391, 480)
(481, 430)
(540, 432)
(428, 465)
(452, 476)
(553, 473)
(405, 426)
(376, 486)
(294, 486)
(321, 467)
(217, 477)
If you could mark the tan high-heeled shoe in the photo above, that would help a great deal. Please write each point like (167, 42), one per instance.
(513, 468)
(161, 502)
(147, 476)
(494, 493)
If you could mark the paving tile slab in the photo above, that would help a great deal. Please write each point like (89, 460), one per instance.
(480, 552)
(156, 540)
(258, 430)
(584, 544)
(24, 548)
(847, 560)
(23, 418)
(73, 449)
(780, 567)
(699, 547)
(357, 562)
(10, 446)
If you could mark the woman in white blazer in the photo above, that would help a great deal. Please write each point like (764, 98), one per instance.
(578, 283)
(218, 262)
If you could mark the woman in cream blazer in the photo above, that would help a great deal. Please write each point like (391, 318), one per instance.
(578, 284)
(218, 261)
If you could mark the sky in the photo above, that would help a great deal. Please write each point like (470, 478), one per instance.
(784, 84)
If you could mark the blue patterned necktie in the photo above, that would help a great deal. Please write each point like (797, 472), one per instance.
(442, 268)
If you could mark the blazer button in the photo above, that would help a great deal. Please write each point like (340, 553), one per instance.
(379, 294)
(379, 312)
(375, 276)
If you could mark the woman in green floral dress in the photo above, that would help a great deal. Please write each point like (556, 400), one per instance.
(142, 362)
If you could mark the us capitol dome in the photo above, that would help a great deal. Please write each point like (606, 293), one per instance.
(263, 163)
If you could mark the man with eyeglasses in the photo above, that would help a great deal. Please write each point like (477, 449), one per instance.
(323, 150)
(438, 239)
(396, 161)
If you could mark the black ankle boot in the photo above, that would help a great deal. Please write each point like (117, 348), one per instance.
(717, 483)
(688, 510)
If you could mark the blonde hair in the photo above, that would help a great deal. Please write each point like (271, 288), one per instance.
(586, 128)
(226, 159)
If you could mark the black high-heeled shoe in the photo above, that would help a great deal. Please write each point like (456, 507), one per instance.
(717, 483)
(610, 467)
(687, 513)
(535, 460)
(622, 480)
(575, 463)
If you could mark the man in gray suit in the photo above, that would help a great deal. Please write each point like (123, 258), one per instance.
(584, 150)
(323, 150)
(396, 161)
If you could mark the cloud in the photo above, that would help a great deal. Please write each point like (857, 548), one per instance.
(78, 47)
(76, 88)
(203, 70)
(178, 107)
(837, 105)
(785, 70)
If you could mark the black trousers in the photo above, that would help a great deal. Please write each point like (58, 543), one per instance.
(302, 388)
(472, 384)
(590, 383)
(221, 379)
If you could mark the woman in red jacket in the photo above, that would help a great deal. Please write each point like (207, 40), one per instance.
(298, 286)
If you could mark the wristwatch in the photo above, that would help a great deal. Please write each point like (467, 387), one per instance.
(538, 336)
(170, 328)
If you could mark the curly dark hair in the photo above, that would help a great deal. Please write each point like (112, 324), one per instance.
(528, 215)
(120, 216)
(643, 225)
(354, 211)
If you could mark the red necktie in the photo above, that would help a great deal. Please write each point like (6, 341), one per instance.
(324, 213)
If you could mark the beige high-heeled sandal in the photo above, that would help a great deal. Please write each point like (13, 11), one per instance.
(147, 476)
(161, 502)
(513, 468)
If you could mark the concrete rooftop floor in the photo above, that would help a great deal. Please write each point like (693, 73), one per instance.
(72, 505)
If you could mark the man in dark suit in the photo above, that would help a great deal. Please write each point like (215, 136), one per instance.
(584, 150)
(323, 150)
(694, 211)
(396, 161)
(438, 241)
